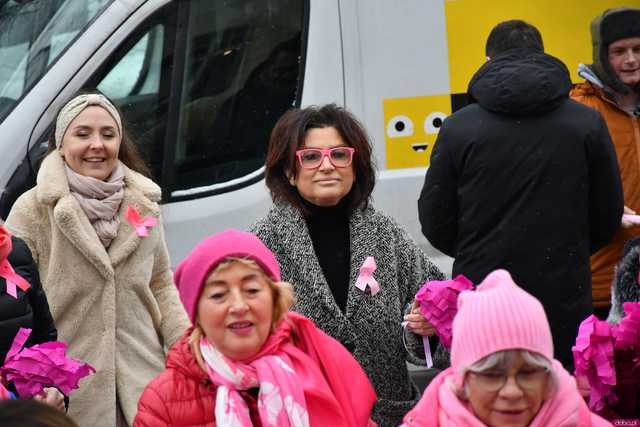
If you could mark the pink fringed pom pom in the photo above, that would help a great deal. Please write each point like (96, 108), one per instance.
(439, 304)
(42, 365)
(627, 333)
(594, 359)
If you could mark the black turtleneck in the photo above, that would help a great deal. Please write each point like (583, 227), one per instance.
(329, 231)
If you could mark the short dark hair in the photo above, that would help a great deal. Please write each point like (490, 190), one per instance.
(288, 135)
(31, 413)
(128, 153)
(511, 35)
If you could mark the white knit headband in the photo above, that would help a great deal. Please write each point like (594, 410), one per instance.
(74, 107)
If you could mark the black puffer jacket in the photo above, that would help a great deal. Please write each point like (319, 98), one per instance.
(30, 310)
(526, 180)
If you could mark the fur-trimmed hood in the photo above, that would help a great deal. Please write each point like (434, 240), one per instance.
(521, 82)
(612, 25)
(626, 287)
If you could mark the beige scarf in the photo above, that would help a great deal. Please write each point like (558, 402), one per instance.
(100, 200)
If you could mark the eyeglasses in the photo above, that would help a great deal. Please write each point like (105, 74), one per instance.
(311, 158)
(529, 379)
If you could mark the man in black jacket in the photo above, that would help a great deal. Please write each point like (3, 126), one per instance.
(525, 179)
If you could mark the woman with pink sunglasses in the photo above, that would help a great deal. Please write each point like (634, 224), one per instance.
(325, 235)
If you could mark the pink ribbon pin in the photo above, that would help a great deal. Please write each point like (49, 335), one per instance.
(365, 278)
(13, 279)
(142, 225)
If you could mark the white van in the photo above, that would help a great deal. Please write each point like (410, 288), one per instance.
(201, 83)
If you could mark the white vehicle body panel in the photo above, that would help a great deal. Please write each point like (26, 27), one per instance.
(359, 53)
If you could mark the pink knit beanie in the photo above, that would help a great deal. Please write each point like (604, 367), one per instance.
(498, 316)
(193, 271)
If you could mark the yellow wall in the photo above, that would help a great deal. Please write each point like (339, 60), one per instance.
(564, 25)
(420, 117)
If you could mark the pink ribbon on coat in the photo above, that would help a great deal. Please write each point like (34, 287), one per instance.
(365, 278)
(13, 279)
(142, 225)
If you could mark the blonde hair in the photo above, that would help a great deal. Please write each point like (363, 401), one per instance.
(282, 293)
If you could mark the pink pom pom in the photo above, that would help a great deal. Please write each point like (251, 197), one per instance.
(439, 304)
(627, 334)
(42, 365)
(594, 359)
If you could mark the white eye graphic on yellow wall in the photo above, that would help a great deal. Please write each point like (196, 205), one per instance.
(399, 126)
(412, 126)
(433, 122)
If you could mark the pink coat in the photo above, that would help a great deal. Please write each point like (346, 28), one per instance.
(440, 407)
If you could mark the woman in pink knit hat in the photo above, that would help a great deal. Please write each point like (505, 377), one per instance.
(502, 370)
(248, 361)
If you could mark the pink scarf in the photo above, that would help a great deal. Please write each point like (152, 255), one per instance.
(280, 400)
(300, 384)
(440, 407)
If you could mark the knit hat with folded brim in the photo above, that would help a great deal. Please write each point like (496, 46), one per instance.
(193, 271)
(612, 25)
(498, 316)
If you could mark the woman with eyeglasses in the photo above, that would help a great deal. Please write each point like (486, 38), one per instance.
(502, 370)
(322, 229)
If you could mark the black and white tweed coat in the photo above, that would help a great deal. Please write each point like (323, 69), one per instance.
(371, 327)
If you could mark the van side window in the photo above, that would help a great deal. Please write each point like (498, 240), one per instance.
(202, 83)
(138, 73)
(138, 78)
(33, 34)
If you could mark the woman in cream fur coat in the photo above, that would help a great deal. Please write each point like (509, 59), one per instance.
(109, 286)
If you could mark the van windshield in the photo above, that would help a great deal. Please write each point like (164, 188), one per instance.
(33, 33)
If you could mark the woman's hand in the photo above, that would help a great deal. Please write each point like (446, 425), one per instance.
(584, 388)
(52, 397)
(416, 323)
(626, 223)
